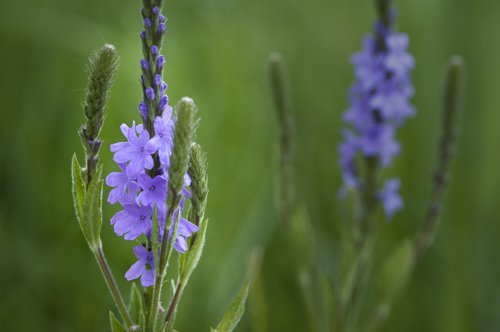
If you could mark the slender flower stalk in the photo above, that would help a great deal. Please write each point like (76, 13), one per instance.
(453, 94)
(379, 106)
(282, 104)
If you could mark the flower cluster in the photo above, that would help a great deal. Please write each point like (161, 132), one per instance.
(379, 105)
(141, 193)
(142, 184)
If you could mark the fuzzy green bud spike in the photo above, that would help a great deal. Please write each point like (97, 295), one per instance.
(453, 93)
(183, 139)
(198, 166)
(282, 104)
(179, 160)
(101, 72)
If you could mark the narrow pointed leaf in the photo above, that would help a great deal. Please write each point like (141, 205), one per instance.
(135, 306)
(92, 209)
(234, 313)
(116, 326)
(78, 189)
(194, 254)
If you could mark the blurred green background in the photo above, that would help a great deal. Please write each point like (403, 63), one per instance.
(216, 53)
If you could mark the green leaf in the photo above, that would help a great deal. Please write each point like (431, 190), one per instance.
(78, 190)
(92, 209)
(213, 330)
(116, 326)
(396, 271)
(135, 306)
(234, 313)
(194, 253)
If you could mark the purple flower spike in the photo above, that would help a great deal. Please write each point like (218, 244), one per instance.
(380, 103)
(142, 184)
(150, 93)
(144, 267)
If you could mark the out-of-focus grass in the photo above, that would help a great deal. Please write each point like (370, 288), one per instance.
(216, 51)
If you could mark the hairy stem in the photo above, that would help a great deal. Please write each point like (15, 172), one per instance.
(173, 305)
(113, 287)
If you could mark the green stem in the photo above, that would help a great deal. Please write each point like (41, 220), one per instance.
(173, 306)
(165, 253)
(113, 287)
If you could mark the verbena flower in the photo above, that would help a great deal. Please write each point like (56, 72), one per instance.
(143, 268)
(124, 187)
(163, 139)
(144, 158)
(133, 221)
(379, 105)
(137, 151)
(186, 228)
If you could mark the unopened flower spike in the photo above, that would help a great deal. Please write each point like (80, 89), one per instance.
(198, 166)
(101, 71)
(452, 107)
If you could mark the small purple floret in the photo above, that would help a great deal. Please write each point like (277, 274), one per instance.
(390, 197)
(150, 93)
(160, 61)
(161, 27)
(144, 267)
(144, 64)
